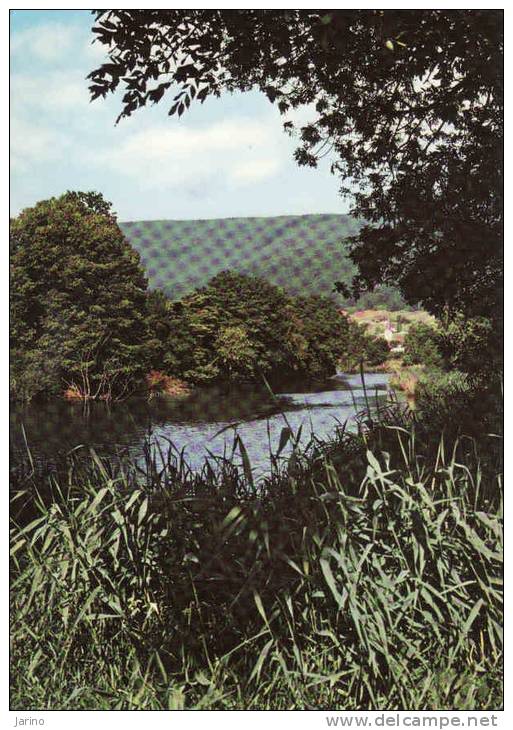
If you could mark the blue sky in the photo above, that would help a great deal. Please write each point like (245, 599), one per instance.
(227, 157)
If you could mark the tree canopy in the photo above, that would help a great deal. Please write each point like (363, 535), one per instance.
(408, 103)
(240, 327)
(78, 297)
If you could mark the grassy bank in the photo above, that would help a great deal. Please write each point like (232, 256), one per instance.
(364, 574)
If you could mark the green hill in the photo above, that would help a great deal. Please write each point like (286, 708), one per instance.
(305, 254)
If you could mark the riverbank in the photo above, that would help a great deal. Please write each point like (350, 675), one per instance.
(348, 580)
(201, 425)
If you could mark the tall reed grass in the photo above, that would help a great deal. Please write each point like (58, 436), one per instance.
(364, 574)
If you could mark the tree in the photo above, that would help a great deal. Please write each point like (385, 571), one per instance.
(254, 314)
(422, 346)
(235, 352)
(376, 350)
(240, 327)
(409, 103)
(78, 297)
(327, 335)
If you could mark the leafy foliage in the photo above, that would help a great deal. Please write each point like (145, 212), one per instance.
(241, 327)
(422, 345)
(82, 319)
(409, 104)
(322, 335)
(436, 385)
(474, 345)
(376, 350)
(77, 300)
(235, 352)
(469, 345)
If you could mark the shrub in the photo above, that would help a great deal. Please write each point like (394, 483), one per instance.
(376, 350)
(458, 404)
(422, 346)
(161, 384)
(475, 346)
(438, 384)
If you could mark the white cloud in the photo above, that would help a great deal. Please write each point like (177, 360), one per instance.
(60, 140)
(231, 150)
(184, 142)
(255, 170)
(51, 110)
(53, 92)
(31, 144)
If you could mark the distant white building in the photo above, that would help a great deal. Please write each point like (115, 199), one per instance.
(390, 331)
(394, 339)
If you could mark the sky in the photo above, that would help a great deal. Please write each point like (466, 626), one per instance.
(228, 157)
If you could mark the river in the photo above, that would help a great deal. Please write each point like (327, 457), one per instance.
(193, 424)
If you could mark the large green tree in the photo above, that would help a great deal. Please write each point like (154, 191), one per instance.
(408, 102)
(78, 298)
(240, 327)
(237, 327)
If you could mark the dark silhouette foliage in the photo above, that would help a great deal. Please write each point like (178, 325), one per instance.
(409, 103)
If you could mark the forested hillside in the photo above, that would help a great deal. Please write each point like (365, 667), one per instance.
(305, 254)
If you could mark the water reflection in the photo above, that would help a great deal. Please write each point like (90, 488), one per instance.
(194, 424)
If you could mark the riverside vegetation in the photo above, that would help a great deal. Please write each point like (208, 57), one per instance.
(365, 573)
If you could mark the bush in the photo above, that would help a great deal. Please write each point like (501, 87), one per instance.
(475, 346)
(422, 346)
(438, 384)
(376, 351)
(160, 384)
(363, 349)
(455, 403)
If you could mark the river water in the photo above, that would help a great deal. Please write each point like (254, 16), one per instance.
(193, 424)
